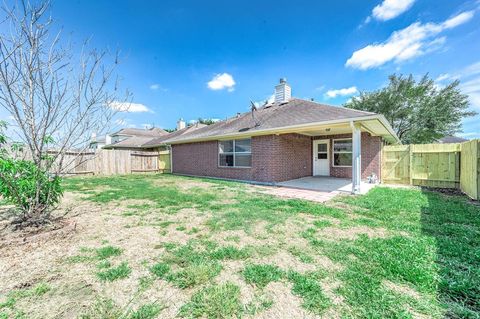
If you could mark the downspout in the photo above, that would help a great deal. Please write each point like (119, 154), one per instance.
(171, 158)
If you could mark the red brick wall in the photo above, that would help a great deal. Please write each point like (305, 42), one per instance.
(371, 152)
(275, 158)
(293, 157)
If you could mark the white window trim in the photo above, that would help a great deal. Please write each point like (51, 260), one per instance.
(333, 151)
(233, 153)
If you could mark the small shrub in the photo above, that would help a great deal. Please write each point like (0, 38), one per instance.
(218, 301)
(111, 274)
(262, 275)
(32, 190)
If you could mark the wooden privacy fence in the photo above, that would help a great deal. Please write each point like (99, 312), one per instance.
(453, 165)
(470, 164)
(112, 162)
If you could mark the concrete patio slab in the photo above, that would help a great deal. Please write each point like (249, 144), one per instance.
(325, 184)
(315, 188)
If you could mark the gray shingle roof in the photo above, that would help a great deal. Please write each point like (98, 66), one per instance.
(153, 132)
(452, 139)
(294, 112)
(160, 140)
(131, 142)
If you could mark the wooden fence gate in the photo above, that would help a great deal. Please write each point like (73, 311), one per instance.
(470, 162)
(453, 165)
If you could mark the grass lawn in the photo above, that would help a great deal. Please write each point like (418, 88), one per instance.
(163, 246)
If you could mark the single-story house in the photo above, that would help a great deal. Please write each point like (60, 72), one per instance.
(159, 142)
(451, 139)
(133, 138)
(287, 139)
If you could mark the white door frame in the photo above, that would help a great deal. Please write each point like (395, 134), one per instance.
(314, 156)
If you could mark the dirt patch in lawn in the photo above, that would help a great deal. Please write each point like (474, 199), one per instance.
(335, 233)
(189, 184)
(402, 289)
(285, 304)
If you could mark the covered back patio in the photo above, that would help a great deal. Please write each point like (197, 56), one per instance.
(344, 155)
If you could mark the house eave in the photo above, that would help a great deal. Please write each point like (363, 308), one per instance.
(392, 137)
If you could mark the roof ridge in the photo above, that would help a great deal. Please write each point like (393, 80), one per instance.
(330, 105)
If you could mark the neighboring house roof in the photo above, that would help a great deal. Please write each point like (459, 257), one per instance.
(161, 140)
(451, 139)
(101, 139)
(131, 142)
(153, 132)
(136, 137)
(296, 112)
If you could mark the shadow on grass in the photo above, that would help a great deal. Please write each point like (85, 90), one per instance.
(454, 223)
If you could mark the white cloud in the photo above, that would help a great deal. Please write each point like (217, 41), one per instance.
(129, 107)
(156, 87)
(458, 19)
(470, 82)
(222, 81)
(406, 44)
(390, 9)
(341, 92)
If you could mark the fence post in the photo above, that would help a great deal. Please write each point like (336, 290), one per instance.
(410, 171)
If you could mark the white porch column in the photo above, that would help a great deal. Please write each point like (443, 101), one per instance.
(356, 157)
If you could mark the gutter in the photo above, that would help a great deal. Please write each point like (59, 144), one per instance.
(378, 117)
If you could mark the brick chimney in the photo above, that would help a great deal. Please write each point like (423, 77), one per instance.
(283, 91)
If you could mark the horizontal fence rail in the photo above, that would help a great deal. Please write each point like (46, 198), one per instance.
(453, 165)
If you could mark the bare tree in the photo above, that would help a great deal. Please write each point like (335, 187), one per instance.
(57, 96)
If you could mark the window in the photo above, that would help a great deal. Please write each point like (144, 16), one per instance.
(235, 153)
(322, 151)
(342, 152)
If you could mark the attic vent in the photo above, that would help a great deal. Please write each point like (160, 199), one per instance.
(283, 91)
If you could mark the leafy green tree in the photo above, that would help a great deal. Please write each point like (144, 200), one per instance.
(419, 111)
(206, 121)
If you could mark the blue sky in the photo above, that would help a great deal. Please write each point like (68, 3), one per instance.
(328, 50)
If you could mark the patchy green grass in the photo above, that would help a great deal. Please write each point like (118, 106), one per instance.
(102, 308)
(160, 270)
(393, 253)
(262, 275)
(113, 273)
(107, 252)
(8, 307)
(301, 254)
(195, 274)
(147, 311)
(230, 253)
(308, 288)
(217, 301)
(436, 256)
